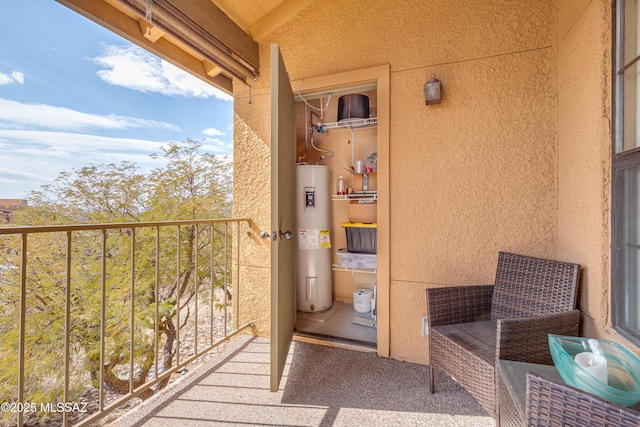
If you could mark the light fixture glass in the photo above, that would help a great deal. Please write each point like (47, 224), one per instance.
(432, 91)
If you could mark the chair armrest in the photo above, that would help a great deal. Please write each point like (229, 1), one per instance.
(526, 339)
(458, 304)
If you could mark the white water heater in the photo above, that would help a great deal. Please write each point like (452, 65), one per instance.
(314, 242)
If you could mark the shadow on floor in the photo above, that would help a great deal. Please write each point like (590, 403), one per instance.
(337, 378)
(321, 386)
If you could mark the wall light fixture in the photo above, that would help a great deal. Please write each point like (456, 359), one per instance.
(432, 91)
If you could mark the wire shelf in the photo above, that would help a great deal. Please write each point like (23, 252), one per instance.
(367, 196)
(350, 124)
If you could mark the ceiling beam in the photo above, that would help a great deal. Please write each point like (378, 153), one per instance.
(149, 31)
(126, 26)
(214, 21)
(211, 69)
(276, 18)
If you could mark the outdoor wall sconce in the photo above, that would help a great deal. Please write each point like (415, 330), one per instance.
(432, 91)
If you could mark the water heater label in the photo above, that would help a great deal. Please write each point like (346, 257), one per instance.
(325, 241)
(309, 199)
(313, 238)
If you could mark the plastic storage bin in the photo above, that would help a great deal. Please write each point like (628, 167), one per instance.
(352, 260)
(361, 237)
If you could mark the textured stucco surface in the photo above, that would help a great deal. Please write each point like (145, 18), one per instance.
(515, 158)
(475, 174)
(252, 199)
(584, 162)
(584, 150)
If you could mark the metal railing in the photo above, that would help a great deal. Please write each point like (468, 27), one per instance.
(164, 279)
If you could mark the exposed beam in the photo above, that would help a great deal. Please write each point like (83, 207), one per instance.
(128, 27)
(212, 70)
(184, 31)
(149, 31)
(215, 22)
(273, 20)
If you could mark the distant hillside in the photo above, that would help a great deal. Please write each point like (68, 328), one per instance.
(8, 206)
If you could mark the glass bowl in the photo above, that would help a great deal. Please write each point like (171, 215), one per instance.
(617, 379)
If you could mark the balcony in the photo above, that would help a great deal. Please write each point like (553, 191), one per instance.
(117, 286)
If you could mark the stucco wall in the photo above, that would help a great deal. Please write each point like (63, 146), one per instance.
(584, 161)
(469, 177)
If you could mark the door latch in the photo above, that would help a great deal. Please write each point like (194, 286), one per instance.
(287, 235)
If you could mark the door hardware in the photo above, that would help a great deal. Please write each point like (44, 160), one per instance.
(287, 235)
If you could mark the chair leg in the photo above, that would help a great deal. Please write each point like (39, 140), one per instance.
(431, 388)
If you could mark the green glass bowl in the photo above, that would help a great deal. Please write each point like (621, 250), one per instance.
(622, 368)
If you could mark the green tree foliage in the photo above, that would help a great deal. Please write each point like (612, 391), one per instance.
(153, 261)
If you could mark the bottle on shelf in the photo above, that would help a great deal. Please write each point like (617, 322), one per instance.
(341, 189)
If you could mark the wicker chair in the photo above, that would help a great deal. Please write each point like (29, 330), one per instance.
(551, 403)
(471, 327)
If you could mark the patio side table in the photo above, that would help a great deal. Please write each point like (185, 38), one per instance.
(550, 402)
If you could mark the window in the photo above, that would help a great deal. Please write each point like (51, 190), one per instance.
(626, 171)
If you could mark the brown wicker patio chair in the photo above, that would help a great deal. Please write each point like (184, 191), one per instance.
(550, 403)
(471, 327)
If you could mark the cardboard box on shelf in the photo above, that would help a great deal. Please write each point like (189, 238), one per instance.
(363, 211)
(373, 181)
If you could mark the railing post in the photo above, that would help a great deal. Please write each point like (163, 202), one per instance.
(156, 294)
(23, 317)
(103, 318)
(67, 328)
(213, 283)
(132, 318)
(237, 285)
(178, 297)
(195, 287)
(226, 267)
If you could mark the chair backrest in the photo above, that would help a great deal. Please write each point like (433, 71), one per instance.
(529, 287)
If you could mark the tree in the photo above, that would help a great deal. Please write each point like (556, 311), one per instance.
(189, 185)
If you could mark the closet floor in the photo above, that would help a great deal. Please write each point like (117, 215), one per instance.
(337, 322)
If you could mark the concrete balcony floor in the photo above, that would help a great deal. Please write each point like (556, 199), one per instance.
(321, 386)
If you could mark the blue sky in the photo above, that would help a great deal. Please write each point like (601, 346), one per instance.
(73, 94)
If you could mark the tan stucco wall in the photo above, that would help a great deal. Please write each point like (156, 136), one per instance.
(469, 177)
(584, 161)
(252, 199)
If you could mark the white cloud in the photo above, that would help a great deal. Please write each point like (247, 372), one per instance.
(67, 142)
(17, 76)
(14, 77)
(213, 132)
(31, 159)
(39, 141)
(16, 114)
(134, 68)
(217, 146)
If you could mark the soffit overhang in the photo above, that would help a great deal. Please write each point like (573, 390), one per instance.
(215, 40)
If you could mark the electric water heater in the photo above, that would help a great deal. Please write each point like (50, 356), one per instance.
(314, 243)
